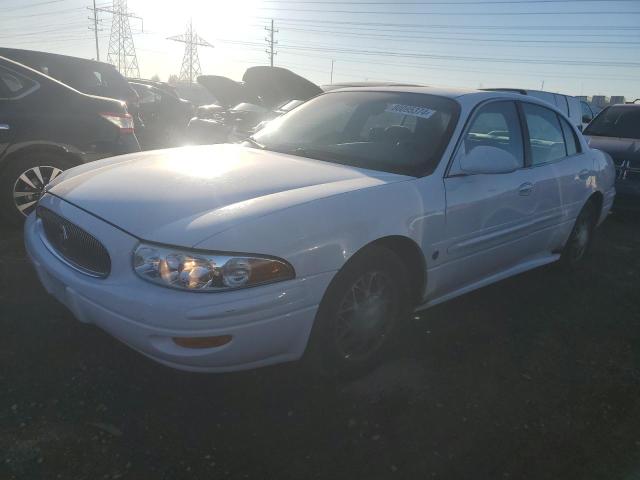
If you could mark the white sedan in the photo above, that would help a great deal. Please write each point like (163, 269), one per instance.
(324, 231)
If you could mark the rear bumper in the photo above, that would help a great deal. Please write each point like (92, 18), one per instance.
(268, 325)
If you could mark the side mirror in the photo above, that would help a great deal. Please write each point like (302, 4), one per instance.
(486, 159)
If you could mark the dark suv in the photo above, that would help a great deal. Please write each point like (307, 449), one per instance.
(47, 127)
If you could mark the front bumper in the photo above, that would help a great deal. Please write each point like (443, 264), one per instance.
(268, 324)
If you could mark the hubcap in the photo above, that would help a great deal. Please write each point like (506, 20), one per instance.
(29, 187)
(364, 316)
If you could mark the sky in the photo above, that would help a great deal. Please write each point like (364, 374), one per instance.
(577, 47)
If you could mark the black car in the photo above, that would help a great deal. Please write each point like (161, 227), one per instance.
(164, 114)
(86, 76)
(616, 130)
(47, 127)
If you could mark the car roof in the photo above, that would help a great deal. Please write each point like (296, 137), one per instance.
(625, 105)
(35, 55)
(454, 93)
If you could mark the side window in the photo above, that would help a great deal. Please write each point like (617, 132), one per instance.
(13, 84)
(587, 115)
(545, 134)
(496, 125)
(570, 139)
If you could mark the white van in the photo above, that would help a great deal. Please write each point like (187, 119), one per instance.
(567, 104)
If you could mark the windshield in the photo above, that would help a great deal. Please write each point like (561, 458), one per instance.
(621, 122)
(390, 131)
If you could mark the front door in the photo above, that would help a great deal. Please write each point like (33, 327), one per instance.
(487, 215)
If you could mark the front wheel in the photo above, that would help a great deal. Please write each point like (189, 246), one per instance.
(359, 317)
(581, 237)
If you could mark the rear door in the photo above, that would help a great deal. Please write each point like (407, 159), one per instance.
(558, 170)
(487, 215)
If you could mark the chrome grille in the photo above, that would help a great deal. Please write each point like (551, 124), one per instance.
(75, 246)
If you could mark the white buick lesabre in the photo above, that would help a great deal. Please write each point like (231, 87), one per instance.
(322, 232)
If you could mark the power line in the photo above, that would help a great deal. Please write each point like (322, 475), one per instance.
(452, 2)
(386, 12)
(33, 5)
(459, 40)
(564, 27)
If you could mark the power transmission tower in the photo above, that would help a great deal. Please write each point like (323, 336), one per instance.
(190, 62)
(271, 43)
(122, 51)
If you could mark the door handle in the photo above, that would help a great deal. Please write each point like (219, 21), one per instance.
(4, 126)
(584, 174)
(525, 188)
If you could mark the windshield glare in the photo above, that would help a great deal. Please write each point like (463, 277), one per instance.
(391, 131)
(621, 122)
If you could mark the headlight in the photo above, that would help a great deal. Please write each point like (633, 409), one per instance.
(207, 271)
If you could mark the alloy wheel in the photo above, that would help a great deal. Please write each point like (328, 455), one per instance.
(365, 316)
(29, 187)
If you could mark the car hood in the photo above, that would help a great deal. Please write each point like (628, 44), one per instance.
(267, 86)
(182, 196)
(620, 149)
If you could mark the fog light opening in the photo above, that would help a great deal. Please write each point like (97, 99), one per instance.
(202, 342)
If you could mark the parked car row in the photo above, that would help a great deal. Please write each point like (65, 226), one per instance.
(264, 94)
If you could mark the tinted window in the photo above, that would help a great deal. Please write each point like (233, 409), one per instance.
(570, 139)
(496, 125)
(391, 131)
(622, 122)
(587, 115)
(14, 85)
(545, 134)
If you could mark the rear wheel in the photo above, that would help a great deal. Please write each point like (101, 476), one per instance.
(23, 180)
(579, 242)
(359, 317)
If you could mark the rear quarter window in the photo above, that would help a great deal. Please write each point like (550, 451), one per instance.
(14, 85)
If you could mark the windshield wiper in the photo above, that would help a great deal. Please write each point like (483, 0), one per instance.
(254, 143)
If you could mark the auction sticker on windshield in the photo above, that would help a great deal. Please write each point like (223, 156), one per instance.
(412, 110)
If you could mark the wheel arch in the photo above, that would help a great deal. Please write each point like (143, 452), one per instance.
(19, 151)
(597, 200)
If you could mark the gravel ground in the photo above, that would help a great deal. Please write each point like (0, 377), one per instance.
(535, 377)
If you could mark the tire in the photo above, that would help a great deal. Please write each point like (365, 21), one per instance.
(581, 238)
(18, 197)
(360, 316)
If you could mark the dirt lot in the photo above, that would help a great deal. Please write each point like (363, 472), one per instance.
(535, 377)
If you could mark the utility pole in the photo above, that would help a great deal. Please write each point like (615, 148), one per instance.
(95, 28)
(271, 43)
(122, 51)
(332, 60)
(190, 62)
